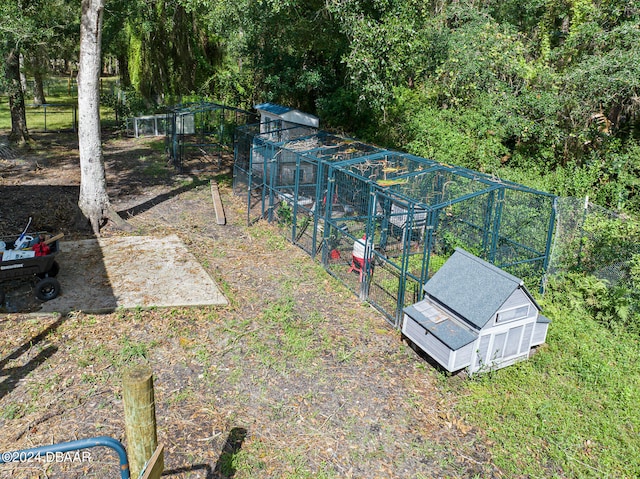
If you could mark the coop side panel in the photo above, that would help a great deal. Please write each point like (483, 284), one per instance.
(427, 342)
(482, 350)
(517, 299)
(509, 361)
(539, 334)
(525, 346)
(500, 349)
(463, 356)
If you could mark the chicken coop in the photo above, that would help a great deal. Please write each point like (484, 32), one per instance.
(383, 221)
(475, 316)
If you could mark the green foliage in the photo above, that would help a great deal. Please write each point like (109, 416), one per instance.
(342, 110)
(284, 213)
(163, 47)
(389, 46)
(464, 137)
(483, 56)
(288, 52)
(542, 90)
(594, 243)
(131, 351)
(126, 103)
(613, 306)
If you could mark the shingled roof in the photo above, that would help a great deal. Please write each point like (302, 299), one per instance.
(472, 288)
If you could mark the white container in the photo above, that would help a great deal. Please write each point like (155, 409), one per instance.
(23, 243)
(13, 254)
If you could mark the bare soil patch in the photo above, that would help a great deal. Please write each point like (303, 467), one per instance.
(293, 378)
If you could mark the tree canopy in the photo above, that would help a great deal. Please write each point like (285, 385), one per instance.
(543, 92)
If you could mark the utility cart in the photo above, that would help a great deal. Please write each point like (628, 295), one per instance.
(24, 265)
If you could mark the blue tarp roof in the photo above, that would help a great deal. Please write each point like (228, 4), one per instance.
(273, 108)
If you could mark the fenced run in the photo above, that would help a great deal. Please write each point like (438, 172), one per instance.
(201, 129)
(60, 112)
(383, 221)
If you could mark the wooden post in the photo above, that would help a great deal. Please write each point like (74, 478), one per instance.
(139, 416)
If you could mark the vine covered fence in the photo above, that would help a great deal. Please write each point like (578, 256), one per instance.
(592, 240)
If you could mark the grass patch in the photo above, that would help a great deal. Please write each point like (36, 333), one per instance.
(572, 410)
(154, 167)
(157, 145)
(10, 411)
(129, 351)
(284, 339)
(258, 459)
(60, 112)
(183, 395)
(132, 351)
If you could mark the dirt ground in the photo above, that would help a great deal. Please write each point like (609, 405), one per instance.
(293, 378)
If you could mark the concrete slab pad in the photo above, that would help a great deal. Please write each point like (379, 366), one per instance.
(128, 272)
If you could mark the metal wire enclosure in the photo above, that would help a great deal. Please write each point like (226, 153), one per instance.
(149, 125)
(202, 129)
(383, 221)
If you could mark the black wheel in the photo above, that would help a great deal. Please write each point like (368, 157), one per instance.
(1, 296)
(47, 289)
(53, 271)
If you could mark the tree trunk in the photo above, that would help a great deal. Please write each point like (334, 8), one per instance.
(19, 132)
(38, 88)
(40, 67)
(23, 76)
(94, 201)
(123, 67)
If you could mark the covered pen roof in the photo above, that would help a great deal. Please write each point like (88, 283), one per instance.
(290, 115)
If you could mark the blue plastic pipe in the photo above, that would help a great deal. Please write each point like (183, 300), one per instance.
(37, 452)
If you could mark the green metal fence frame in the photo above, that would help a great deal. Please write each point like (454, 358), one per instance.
(211, 140)
(312, 205)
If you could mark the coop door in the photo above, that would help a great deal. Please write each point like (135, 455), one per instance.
(483, 349)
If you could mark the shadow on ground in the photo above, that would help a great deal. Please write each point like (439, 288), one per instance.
(224, 468)
(15, 374)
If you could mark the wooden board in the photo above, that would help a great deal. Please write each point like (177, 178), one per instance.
(155, 466)
(217, 204)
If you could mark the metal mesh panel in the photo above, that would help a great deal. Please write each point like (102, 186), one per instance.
(524, 224)
(202, 130)
(592, 239)
(305, 199)
(242, 165)
(384, 288)
(465, 224)
(595, 241)
(437, 187)
(408, 214)
(151, 125)
(337, 255)
(242, 158)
